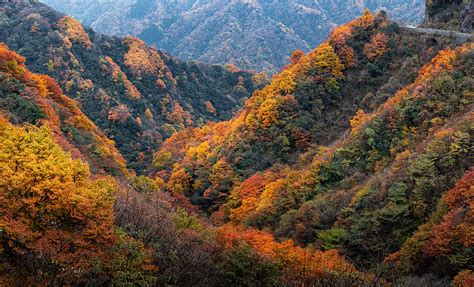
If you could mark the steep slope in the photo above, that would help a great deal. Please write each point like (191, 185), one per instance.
(311, 102)
(350, 148)
(37, 99)
(56, 192)
(456, 15)
(250, 34)
(136, 94)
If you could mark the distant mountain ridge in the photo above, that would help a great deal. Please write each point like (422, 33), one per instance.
(253, 34)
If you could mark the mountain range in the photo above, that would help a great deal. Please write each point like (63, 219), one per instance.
(252, 34)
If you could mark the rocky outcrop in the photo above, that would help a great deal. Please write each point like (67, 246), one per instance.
(467, 18)
(455, 15)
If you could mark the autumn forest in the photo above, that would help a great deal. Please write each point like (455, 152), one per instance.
(351, 165)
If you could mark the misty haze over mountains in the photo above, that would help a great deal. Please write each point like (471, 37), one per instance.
(252, 34)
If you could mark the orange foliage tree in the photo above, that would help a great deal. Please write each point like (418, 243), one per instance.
(178, 115)
(457, 226)
(180, 181)
(348, 56)
(359, 120)
(74, 32)
(463, 279)
(119, 113)
(339, 38)
(121, 78)
(296, 56)
(210, 107)
(340, 35)
(377, 47)
(449, 234)
(299, 265)
(253, 194)
(12, 63)
(141, 59)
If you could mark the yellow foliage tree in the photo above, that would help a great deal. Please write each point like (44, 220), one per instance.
(324, 60)
(268, 113)
(148, 114)
(284, 83)
(50, 208)
(180, 181)
(367, 19)
(359, 120)
(220, 172)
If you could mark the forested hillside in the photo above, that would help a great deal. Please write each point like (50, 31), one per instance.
(352, 167)
(137, 95)
(54, 215)
(351, 148)
(28, 98)
(252, 34)
(66, 222)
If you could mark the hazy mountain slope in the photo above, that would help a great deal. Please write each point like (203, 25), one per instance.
(254, 34)
(137, 95)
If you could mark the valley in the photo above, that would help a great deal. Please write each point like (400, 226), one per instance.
(124, 165)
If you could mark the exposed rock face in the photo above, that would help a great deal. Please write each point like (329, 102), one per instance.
(456, 15)
(467, 18)
(253, 34)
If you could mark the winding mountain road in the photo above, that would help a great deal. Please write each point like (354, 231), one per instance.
(460, 37)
